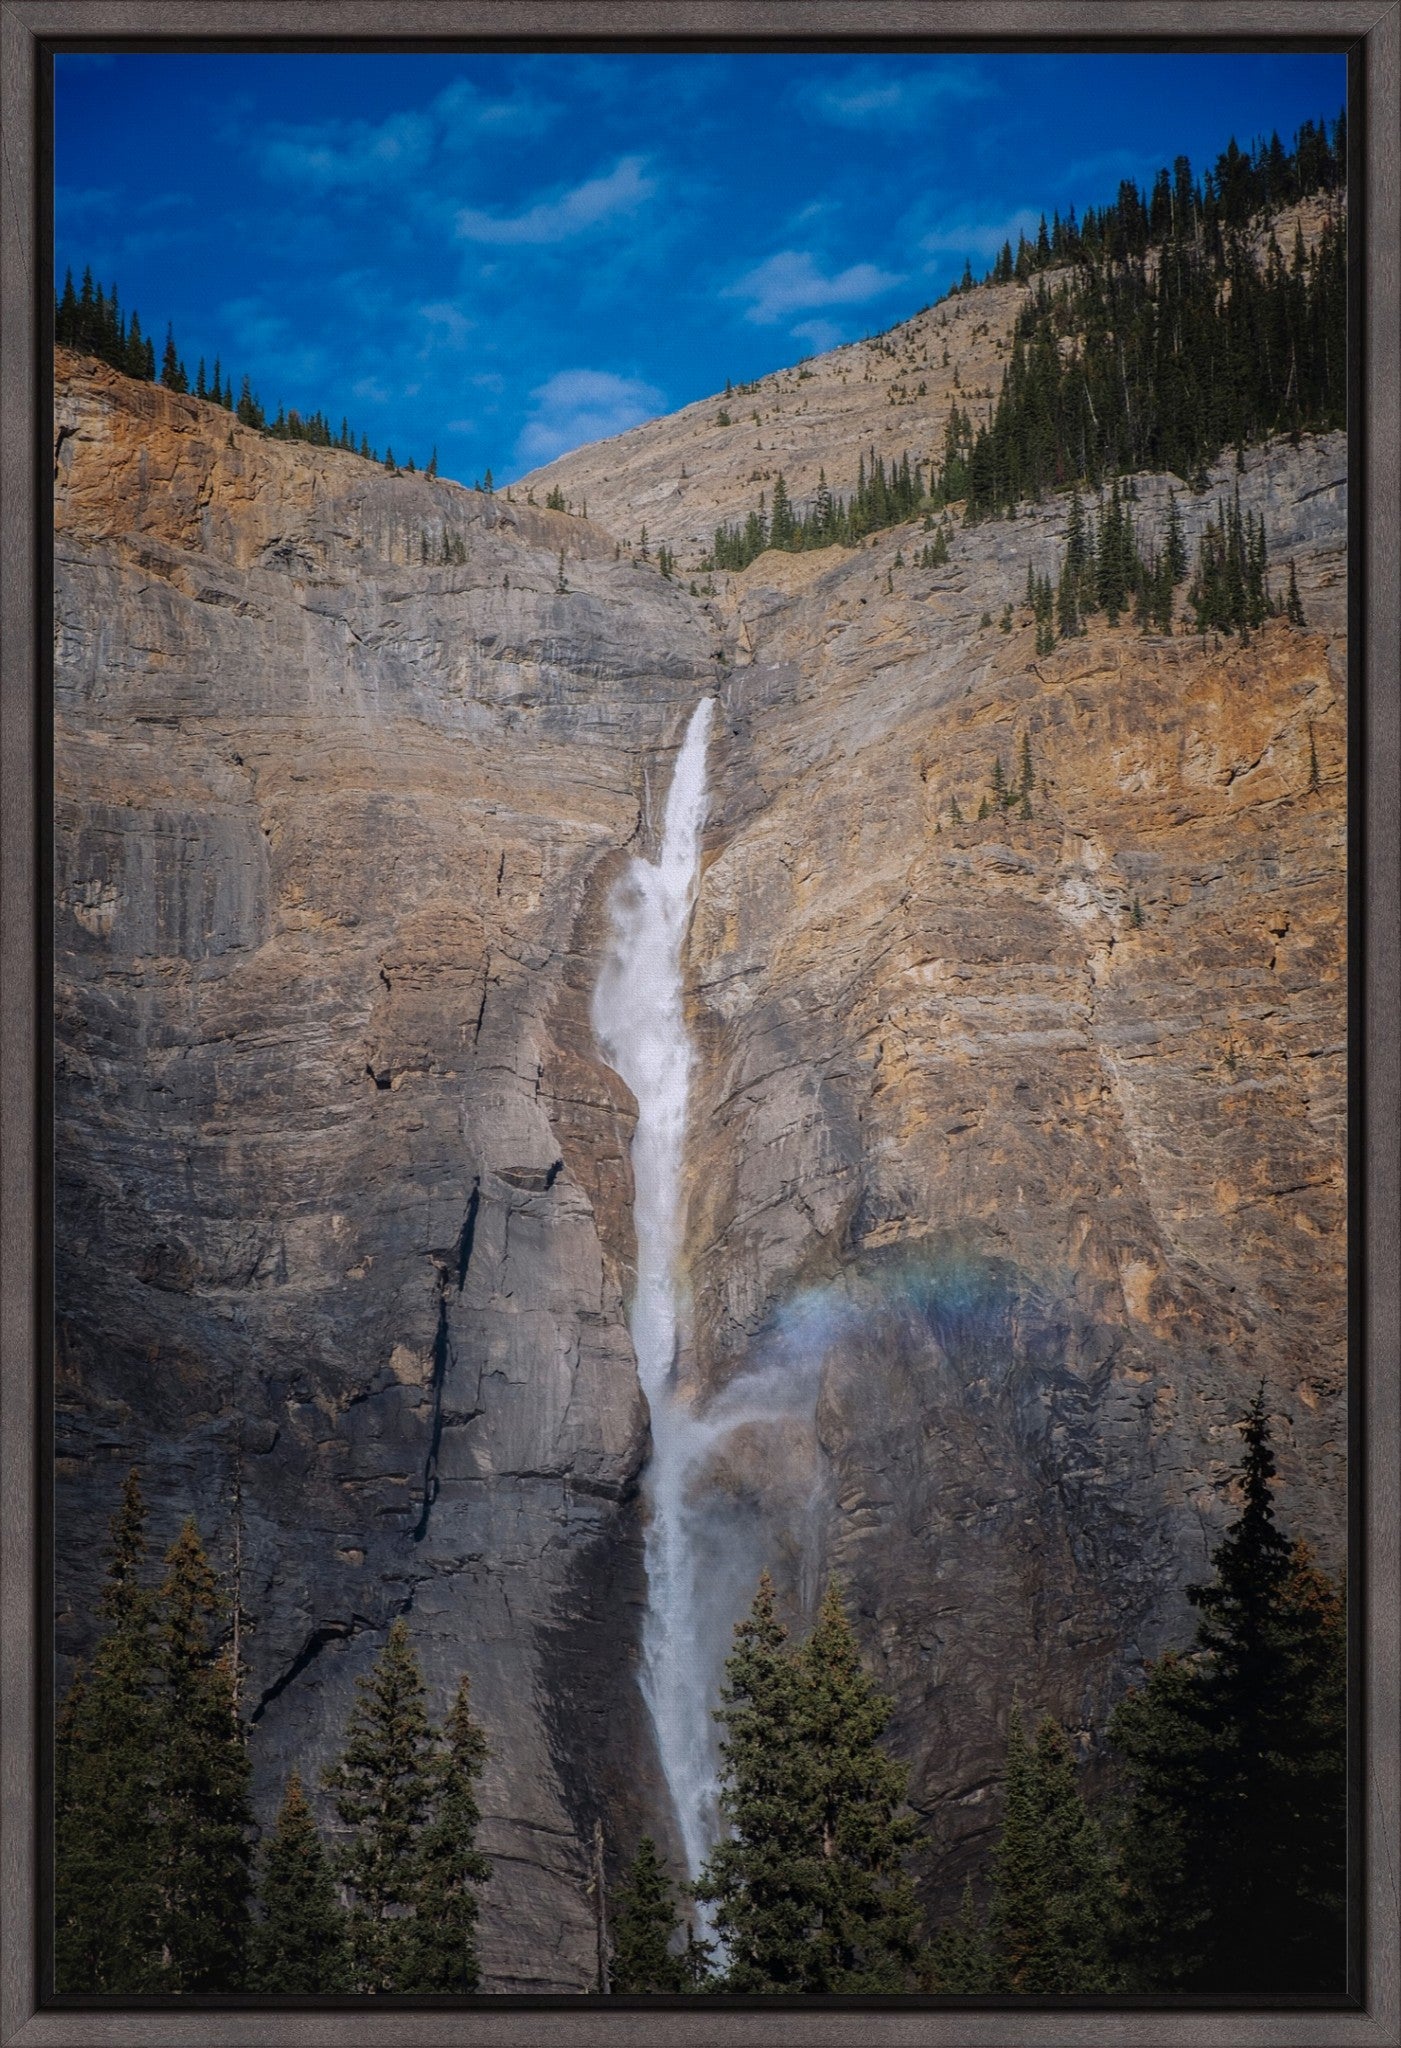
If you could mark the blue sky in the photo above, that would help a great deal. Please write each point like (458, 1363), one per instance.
(508, 255)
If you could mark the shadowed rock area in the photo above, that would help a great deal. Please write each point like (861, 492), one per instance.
(343, 1199)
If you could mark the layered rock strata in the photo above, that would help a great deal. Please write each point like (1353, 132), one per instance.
(343, 1228)
(1041, 1187)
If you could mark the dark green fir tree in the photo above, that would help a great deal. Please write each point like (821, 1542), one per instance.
(106, 1895)
(172, 369)
(644, 1925)
(1052, 1892)
(867, 1942)
(300, 1946)
(809, 1886)
(1294, 604)
(961, 1962)
(1233, 1851)
(203, 1821)
(451, 1868)
(383, 1785)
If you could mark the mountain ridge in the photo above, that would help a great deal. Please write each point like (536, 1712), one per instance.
(337, 822)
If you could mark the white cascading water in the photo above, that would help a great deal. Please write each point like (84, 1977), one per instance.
(639, 1018)
(733, 1483)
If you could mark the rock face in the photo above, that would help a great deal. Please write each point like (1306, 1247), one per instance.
(342, 1185)
(1065, 1177)
(1045, 1187)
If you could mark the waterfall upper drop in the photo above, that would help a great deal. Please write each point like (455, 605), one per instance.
(639, 1017)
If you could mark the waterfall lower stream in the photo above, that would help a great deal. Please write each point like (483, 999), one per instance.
(639, 1018)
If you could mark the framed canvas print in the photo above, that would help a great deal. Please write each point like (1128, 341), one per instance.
(701, 990)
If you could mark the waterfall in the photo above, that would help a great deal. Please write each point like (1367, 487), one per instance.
(639, 1019)
(733, 1484)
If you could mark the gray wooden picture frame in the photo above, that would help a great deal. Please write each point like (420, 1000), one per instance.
(1372, 29)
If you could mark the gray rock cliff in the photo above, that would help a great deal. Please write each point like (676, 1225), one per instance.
(345, 766)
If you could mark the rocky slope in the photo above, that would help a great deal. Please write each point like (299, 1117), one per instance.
(679, 476)
(344, 1232)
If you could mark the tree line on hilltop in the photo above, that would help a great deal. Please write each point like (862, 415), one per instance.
(1237, 189)
(1216, 1863)
(90, 319)
(1162, 343)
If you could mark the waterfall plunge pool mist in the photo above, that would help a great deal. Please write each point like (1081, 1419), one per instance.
(716, 1477)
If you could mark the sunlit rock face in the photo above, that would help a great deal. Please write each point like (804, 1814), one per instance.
(998, 1204)
(1058, 1182)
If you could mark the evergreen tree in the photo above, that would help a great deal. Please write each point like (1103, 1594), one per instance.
(1130, 365)
(644, 1925)
(867, 1940)
(1233, 1856)
(1315, 780)
(1067, 601)
(300, 1945)
(383, 1786)
(172, 369)
(961, 1961)
(808, 1885)
(758, 1871)
(1294, 606)
(203, 1822)
(781, 526)
(152, 1820)
(698, 1972)
(1051, 1885)
(106, 1901)
(66, 315)
(451, 1869)
(1175, 546)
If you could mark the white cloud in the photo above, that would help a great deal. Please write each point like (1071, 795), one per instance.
(464, 111)
(576, 406)
(589, 205)
(348, 153)
(328, 155)
(791, 282)
(981, 238)
(823, 334)
(873, 95)
(74, 202)
(445, 326)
